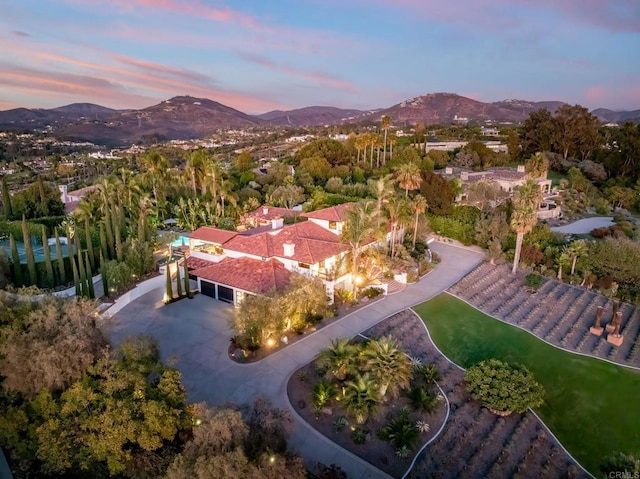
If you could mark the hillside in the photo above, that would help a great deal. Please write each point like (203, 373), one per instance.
(612, 116)
(178, 118)
(311, 115)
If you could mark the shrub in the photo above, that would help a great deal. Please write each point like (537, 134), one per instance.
(533, 280)
(359, 436)
(504, 388)
(430, 373)
(372, 292)
(423, 400)
(400, 432)
(340, 423)
(322, 394)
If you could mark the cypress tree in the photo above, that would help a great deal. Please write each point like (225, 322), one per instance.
(76, 277)
(6, 199)
(62, 274)
(28, 250)
(187, 286)
(169, 291)
(117, 235)
(103, 275)
(82, 272)
(109, 232)
(104, 249)
(47, 258)
(69, 244)
(43, 197)
(178, 280)
(15, 259)
(87, 235)
(87, 265)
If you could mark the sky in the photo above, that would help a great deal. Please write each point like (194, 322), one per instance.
(261, 55)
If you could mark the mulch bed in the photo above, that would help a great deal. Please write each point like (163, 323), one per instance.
(265, 351)
(474, 443)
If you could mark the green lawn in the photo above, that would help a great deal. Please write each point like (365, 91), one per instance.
(555, 177)
(593, 407)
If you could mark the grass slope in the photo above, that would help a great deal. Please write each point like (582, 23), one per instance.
(593, 407)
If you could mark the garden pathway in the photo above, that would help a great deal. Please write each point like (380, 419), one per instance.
(198, 344)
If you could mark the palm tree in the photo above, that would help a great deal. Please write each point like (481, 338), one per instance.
(361, 398)
(156, 166)
(563, 260)
(386, 122)
(409, 177)
(537, 166)
(392, 141)
(576, 249)
(419, 206)
(382, 189)
(358, 228)
(339, 359)
(388, 366)
(419, 128)
(213, 174)
(523, 218)
(397, 209)
(195, 167)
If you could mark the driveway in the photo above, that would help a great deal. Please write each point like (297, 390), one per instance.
(194, 336)
(585, 225)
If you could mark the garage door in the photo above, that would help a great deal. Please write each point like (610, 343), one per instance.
(207, 288)
(225, 294)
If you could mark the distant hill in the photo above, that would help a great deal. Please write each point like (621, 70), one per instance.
(448, 107)
(179, 118)
(611, 116)
(185, 117)
(312, 115)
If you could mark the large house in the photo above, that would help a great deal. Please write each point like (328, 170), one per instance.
(228, 265)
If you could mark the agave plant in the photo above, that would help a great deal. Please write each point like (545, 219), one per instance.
(388, 365)
(361, 399)
(322, 393)
(423, 400)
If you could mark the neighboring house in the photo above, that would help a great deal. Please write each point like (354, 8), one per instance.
(228, 265)
(507, 179)
(71, 199)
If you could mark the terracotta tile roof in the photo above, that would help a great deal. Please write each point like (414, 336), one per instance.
(197, 263)
(247, 274)
(312, 243)
(268, 213)
(212, 235)
(333, 213)
(83, 191)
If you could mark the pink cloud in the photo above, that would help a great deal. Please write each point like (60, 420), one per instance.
(194, 8)
(596, 93)
(315, 76)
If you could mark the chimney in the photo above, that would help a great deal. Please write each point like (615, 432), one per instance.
(464, 175)
(521, 169)
(448, 170)
(265, 210)
(289, 248)
(277, 223)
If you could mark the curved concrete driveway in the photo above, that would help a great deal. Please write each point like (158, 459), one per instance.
(194, 334)
(585, 225)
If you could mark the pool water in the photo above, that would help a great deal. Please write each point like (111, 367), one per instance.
(38, 251)
(182, 240)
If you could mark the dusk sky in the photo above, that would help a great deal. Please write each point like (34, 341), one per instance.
(259, 55)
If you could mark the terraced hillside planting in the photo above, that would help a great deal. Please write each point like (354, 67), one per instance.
(589, 405)
(558, 313)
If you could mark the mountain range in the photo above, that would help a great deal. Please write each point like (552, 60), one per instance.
(186, 117)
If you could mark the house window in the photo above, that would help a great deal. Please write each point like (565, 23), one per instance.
(303, 265)
(333, 225)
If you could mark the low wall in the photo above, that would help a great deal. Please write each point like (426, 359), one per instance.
(143, 288)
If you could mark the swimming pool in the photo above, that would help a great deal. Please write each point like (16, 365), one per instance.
(181, 241)
(38, 251)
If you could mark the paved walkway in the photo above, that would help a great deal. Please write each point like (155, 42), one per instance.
(195, 335)
(585, 226)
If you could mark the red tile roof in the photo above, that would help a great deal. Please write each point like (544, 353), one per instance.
(333, 213)
(247, 274)
(271, 213)
(312, 243)
(197, 263)
(212, 235)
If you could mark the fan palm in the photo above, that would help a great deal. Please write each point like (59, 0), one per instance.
(409, 177)
(385, 123)
(576, 249)
(361, 399)
(388, 366)
(398, 211)
(419, 206)
(339, 359)
(358, 228)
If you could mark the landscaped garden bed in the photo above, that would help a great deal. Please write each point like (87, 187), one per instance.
(474, 442)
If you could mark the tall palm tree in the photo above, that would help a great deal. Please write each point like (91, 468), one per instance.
(195, 166)
(361, 398)
(358, 228)
(576, 249)
(419, 206)
(419, 128)
(523, 218)
(409, 177)
(213, 175)
(392, 141)
(388, 366)
(563, 260)
(339, 359)
(156, 166)
(397, 210)
(537, 166)
(385, 123)
(381, 189)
